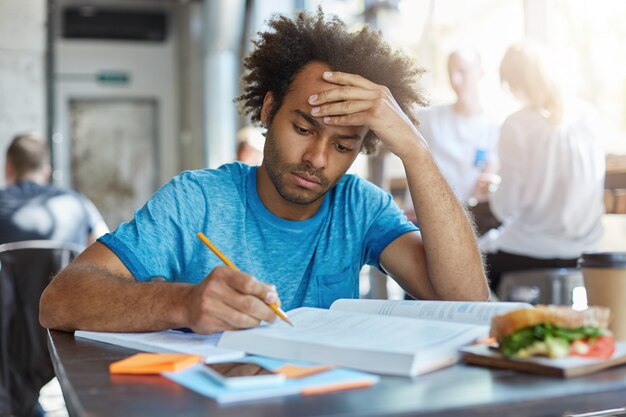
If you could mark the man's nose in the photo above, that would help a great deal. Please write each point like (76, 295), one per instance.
(316, 154)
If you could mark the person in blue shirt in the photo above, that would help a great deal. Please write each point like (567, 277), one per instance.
(297, 225)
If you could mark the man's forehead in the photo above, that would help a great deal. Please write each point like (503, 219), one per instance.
(309, 81)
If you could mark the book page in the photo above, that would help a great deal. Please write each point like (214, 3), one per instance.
(365, 331)
(363, 341)
(456, 311)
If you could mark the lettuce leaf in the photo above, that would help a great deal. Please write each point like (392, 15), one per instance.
(555, 335)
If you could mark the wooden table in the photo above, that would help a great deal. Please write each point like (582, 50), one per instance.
(89, 390)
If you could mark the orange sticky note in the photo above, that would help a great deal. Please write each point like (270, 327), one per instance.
(153, 363)
(336, 387)
(294, 371)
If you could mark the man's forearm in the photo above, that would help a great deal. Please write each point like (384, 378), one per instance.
(454, 261)
(90, 298)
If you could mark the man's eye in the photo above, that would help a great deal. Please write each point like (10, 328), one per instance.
(342, 148)
(301, 130)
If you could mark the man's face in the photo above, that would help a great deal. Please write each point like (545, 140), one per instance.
(303, 157)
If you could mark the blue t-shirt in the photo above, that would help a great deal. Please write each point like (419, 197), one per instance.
(312, 262)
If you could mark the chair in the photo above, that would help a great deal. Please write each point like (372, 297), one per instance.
(541, 286)
(25, 367)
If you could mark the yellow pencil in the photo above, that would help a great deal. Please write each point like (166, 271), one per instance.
(280, 313)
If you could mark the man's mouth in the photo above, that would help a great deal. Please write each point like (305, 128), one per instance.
(305, 180)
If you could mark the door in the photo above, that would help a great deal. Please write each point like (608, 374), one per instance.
(114, 154)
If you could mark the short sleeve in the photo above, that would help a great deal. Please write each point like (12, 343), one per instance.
(158, 241)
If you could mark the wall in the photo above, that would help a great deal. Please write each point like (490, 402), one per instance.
(153, 71)
(22, 69)
(190, 61)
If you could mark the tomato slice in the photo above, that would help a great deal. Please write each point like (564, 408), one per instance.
(603, 348)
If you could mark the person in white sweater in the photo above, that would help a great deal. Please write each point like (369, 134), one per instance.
(552, 173)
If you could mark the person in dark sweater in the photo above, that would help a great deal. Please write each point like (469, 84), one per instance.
(33, 209)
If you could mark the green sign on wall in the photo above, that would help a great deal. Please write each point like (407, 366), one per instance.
(113, 77)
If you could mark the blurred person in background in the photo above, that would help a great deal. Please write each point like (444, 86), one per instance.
(461, 137)
(250, 142)
(33, 209)
(552, 173)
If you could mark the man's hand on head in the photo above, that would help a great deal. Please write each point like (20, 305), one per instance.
(359, 102)
(230, 299)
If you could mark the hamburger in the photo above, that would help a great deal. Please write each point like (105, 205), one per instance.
(555, 332)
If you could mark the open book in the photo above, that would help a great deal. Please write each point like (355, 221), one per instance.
(386, 337)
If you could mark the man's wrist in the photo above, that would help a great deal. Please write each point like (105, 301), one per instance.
(414, 152)
(179, 306)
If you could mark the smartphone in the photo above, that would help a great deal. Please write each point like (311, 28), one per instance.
(242, 374)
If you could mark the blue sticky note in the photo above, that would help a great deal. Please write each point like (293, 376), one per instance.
(197, 380)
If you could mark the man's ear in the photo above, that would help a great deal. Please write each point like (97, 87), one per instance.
(268, 103)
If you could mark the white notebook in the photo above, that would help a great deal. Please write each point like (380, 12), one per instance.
(168, 341)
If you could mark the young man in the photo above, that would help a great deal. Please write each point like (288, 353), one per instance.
(296, 223)
(33, 209)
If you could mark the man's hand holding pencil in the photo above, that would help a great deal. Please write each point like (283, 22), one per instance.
(230, 299)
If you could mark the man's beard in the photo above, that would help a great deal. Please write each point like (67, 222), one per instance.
(272, 160)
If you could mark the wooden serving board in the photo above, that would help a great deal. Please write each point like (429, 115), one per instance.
(568, 367)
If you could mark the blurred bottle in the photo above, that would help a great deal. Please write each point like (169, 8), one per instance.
(487, 182)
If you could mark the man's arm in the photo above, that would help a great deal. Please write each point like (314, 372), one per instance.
(444, 256)
(97, 292)
(444, 262)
